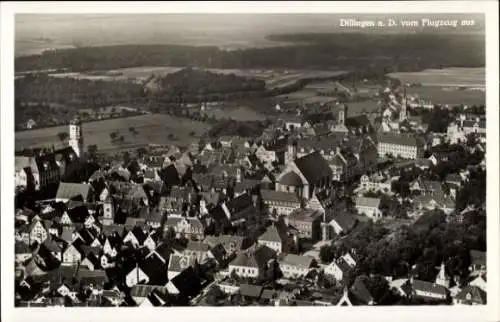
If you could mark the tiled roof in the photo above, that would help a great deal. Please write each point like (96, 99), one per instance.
(397, 139)
(197, 246)
(272, 195)
(68, 190)
(245, 260)
(297, 260)
(476, 294)
(142, 290)
(178, 263)
(314, 167)
(291, 179)
(429, 287)
(368, 202)
(272, 234)
(344, 220)
(250, 290)
(302, 214)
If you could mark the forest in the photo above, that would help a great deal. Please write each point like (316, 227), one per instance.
(352, 51)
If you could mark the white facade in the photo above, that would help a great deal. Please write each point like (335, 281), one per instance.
(76, 137)
(244, 271)
(372, 212)
(136, 276)
(398, 150)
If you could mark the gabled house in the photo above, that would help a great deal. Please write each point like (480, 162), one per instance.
(369, 207)
(136, 276)
(74, 191)
(296, 266)
(252, 264)
(178, 263)
(339, 269)
(276, 238)
(198, 250)
(425, 290)
(470, 295)
(190, 227)
(478, 262)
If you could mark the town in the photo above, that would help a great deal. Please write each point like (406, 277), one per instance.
(352, 209)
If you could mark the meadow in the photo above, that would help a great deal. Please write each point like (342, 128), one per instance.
(238, 113)
(448, 77)
(149, 128)
(449, 96)
(273, 78)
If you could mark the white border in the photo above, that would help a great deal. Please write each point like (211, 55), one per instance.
(489, 313)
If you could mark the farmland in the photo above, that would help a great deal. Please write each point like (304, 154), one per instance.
(150, 129)
(451, 96)
(273, 78)
(448, 77)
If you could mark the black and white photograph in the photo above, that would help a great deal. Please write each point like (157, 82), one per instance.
(236, 159)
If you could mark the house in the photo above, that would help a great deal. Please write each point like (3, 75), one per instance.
(425, 290)
(470, 295)
(190, 227)
(339, 223)
(37, 232)
(155, 267)
(252, 264)
(152, 217)
(305, 176)
(22, 251)
(275, 237)
(240, 209)
(296, 266)
(141, 292)
(357, 294)
(73, 191)
(479, 281)
(375, 183)
(136, 276)
(198, 250)
(338, 269)
(430, 202)
(369, 207)
(231, 243)
(185, 286)
(344, 165)
(72, 255)
(399, 145)
(178, 263)
(279, 202)
(478, 262)
(250, 292)
(307, 222)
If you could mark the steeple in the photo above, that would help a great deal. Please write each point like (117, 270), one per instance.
(403, 114)
(442, 278)
(76, 137)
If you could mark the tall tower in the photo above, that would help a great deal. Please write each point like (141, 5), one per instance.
(442, 278)
(76, 137)
(108, 217)
(403, 113)
(342, 115)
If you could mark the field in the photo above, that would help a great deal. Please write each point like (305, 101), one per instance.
(450, 96)
(448, 77)
(150, 128)
(273, 78)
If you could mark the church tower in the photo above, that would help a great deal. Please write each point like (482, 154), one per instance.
(403, 114)
(76, 137)
(342, 115)
(108, 217)
(442, 278)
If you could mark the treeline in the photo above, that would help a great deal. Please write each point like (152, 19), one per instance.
(76, 93)
(404, 52)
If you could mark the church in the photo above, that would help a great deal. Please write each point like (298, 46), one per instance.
(305, 176)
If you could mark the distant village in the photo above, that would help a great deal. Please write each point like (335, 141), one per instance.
(294, 217)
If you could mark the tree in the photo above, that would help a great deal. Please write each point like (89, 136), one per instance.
(63, 136)
(326, 253)
(113, 135)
